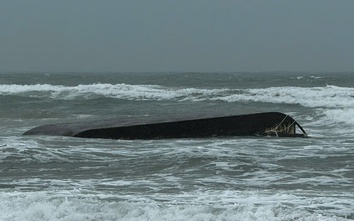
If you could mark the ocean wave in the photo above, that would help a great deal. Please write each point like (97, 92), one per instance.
(229, 205)
(119, 91)
(328, 96)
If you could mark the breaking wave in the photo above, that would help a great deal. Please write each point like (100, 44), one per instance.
(328, 96)
(119, 91)
(231, 205)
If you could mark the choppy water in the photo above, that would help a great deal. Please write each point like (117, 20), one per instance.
(237, 178)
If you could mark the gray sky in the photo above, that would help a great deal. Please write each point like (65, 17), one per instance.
(176, 35)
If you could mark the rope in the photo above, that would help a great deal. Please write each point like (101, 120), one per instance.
(275, 130)
(286, 128)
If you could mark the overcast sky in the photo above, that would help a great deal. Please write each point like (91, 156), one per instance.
(176, 35)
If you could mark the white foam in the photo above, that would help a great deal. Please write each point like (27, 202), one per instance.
(226, 205)
(343, 115)
(120, 91)
(124, 91)
(328, 96)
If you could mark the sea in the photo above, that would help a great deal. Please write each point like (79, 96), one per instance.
(49, 178)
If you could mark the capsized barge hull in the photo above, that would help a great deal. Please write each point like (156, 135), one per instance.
(259, 124)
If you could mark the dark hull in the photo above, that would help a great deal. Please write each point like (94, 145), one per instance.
(261, 124)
